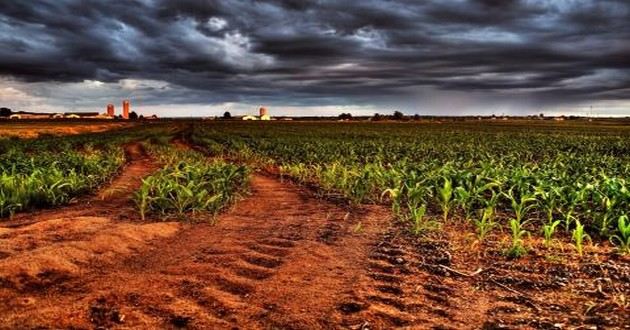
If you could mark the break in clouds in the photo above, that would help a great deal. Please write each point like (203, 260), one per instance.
(186, 57)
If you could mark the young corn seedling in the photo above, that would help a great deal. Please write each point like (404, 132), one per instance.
(548, 230)
(486, 223)
(463, 197)
(622, 240)
(517, 247)
(609, 209)
(578, 236)
(142, 198)
(418, 224)
(445, 197)
(521, 205)
(548, 200)
(394, 195)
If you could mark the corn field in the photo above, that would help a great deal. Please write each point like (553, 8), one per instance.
(528, 181)
(50, 171)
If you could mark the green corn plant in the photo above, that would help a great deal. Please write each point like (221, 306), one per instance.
(485, 224)
(548, 230)
(394, 195)
(419, 224)
(622, 239)
(578, 236)
(609, 204)
(142, 198)
(463, 197)
(548, 200)
(520, 206)
(517, 247)
(190, 184)
(445, 196)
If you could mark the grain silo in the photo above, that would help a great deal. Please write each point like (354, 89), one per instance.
(110, 110)
(125, 113)
(264, 114)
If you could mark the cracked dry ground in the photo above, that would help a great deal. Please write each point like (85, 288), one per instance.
(279, 259)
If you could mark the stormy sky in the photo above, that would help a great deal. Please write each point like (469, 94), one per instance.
(202, 57)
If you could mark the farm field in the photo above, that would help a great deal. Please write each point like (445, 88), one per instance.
(307, 225)
(32, 129)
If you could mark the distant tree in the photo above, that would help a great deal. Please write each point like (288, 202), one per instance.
(541, 115)
(398, 115)
(133, 115)
(416, 117)
(345, 116)
(227, 115)
(377, 116)
(141, 117)
(5, 112)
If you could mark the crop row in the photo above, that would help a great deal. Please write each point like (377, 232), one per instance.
(189, 183)
(51, 171)
(524, 179)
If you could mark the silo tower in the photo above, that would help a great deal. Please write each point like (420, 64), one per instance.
(110, 110)
(125, 113)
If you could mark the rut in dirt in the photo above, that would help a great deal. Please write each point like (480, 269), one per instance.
(113, 200)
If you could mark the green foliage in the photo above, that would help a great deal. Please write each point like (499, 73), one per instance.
(485, 224)
(622, 239)
(534, 175)
(578, 236)
(52, 170)
(548, 230)
(419, 223)
(189, 183)
(517, 247)
(445, 197)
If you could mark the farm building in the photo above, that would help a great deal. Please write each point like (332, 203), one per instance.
(29, 115)
(84, 115)
(263, 115)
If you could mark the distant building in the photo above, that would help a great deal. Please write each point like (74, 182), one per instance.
(126, 106)
(29, 115)
(111, 111)
(263, 115)
(68, 115)
(86, 115)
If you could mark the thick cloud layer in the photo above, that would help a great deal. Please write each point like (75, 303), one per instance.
(447, 56)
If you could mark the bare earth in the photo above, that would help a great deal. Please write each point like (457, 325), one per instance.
(280, 258)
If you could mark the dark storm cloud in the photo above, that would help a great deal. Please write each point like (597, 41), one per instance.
(313, 52)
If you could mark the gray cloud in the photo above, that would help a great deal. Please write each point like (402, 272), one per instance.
(533, 52)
